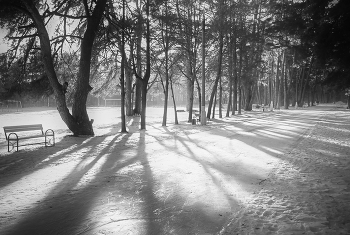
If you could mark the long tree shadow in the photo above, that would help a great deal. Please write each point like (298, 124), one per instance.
(70, 201)
(17, 165)
(114, 184)
(166, 209)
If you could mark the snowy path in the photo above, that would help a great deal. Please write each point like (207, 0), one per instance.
(309, 190)
(259, 173)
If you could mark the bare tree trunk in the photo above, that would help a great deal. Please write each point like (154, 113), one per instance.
(173, 96)
(235, 81)
(166, 90)
(190, 92)
(166, 50)
(306, 84)
(220, 99)
(214, 107)
(271, 81)
(240, 78)
(78, 122)
(285, 85)
(230, 75)
(199, 96)
(122, 77)
(148, 69)
(218, 76)
(278, 82)
(138, 88)
(129, 89)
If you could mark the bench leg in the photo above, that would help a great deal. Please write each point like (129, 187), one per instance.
(49, 138)
(12, 141)
(13, 145)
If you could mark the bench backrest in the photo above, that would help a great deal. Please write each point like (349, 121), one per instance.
(34, 127)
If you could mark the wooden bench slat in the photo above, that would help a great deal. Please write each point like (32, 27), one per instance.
(37, 125)
(27, 137)
(11, 133)
(23, 127)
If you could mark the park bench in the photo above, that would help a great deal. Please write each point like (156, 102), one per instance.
(15, 133)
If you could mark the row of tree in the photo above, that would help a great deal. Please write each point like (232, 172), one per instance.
(282, 51)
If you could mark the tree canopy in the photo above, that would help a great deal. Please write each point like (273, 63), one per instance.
(257, 51)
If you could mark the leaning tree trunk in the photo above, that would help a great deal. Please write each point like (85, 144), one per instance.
(49, 67)
(173, 97)
(78, 122)
(214, 107)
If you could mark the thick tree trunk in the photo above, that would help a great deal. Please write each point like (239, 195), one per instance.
(249, 95)
(83, 88)
(78, 122)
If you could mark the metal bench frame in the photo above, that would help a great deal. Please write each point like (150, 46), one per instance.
(12, 137)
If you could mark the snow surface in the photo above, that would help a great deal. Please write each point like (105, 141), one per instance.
(280, 172)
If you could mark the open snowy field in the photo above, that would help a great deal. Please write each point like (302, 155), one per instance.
(281, 172)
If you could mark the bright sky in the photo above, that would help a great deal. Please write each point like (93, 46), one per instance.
(3, 45)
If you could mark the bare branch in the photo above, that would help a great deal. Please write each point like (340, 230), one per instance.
(32, 25)
(64, 36)
(66, 16)
(24, 36)
(86, 8)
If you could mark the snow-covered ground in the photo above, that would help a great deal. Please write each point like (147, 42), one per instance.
(281, 172)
